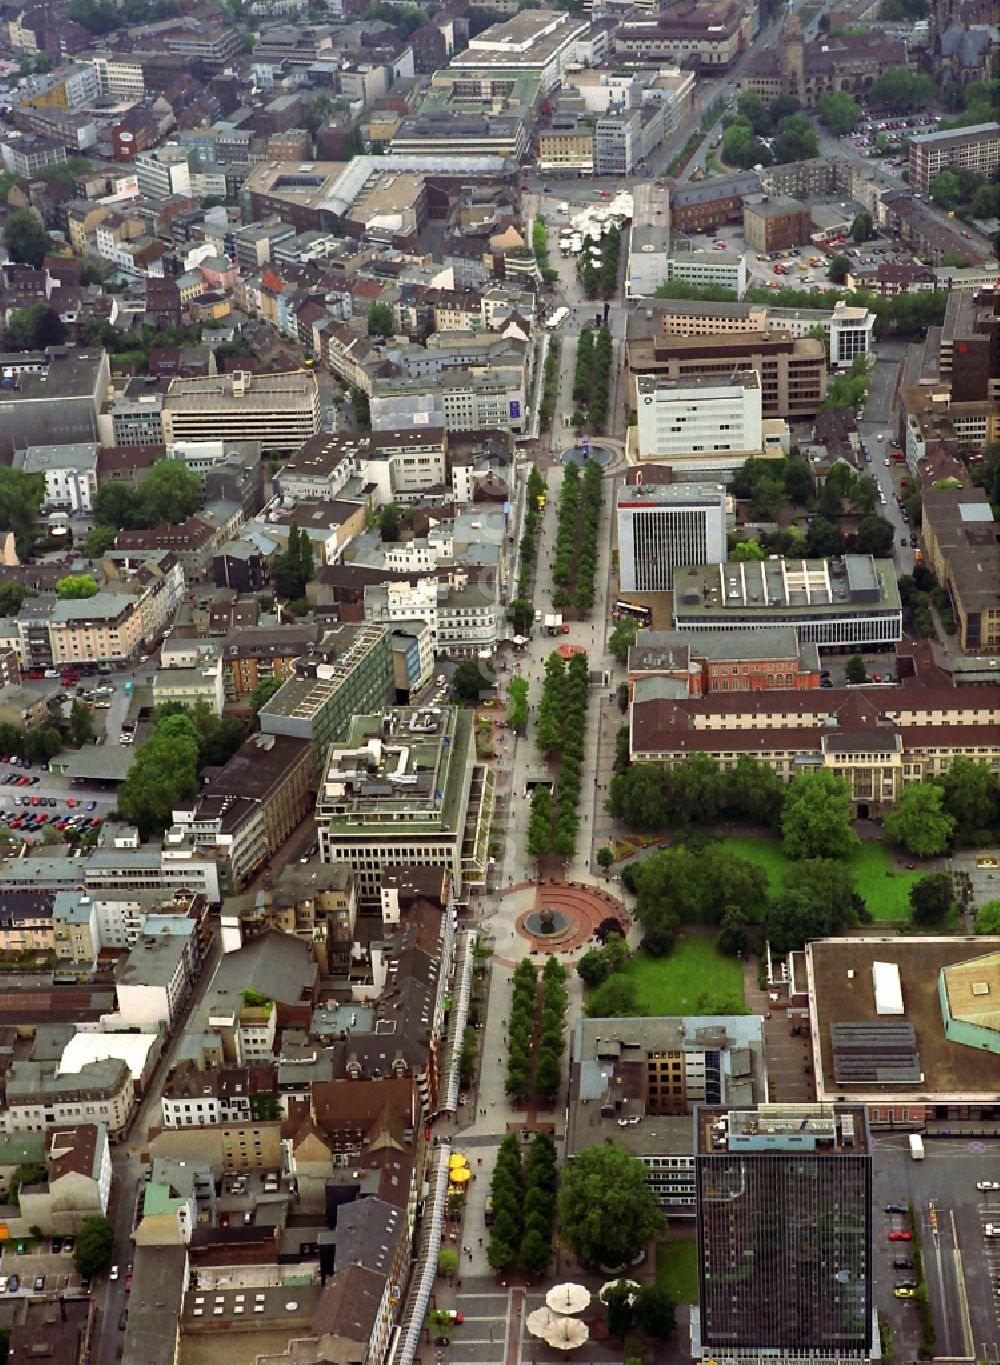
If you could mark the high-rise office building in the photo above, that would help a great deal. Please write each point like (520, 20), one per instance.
(664, 526)
(784, 1234)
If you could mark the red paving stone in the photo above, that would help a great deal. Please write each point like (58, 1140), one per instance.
(583, 905)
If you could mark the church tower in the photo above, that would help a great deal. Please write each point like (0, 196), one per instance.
(793, 57)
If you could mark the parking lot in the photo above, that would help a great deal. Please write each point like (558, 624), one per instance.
(39, 1272)
(961, 1265)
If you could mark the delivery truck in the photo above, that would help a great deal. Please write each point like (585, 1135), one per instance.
(916, 1147)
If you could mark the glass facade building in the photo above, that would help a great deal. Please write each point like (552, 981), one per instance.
(784, 1232)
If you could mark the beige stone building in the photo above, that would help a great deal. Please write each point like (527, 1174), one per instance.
(102, 629)
(878, 740)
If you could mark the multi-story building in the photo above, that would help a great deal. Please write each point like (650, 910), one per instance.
(193, 1097)
(348, 674)
(709, 204)
(258, 654)
(792, 370)
(163, 171)
(844, 603)
(700, 423)
(877, 742)
(120, 75)
(775, 222)
(974, 149)
(698, 34)
(106, 629)
(70, 474)
(852, 331)
(160, 970)
(731, 661)
(542, 43)
(278, 410)
(962, 544)
(51, 397)
(405, 788)
(566, 142)
(191, 684)
(27, 153)
(635, 1082)
(784, 1212)
(317, 904)
(26, 922)
(36, 1098)
(661, 526)
(922, 999)
(274, 772)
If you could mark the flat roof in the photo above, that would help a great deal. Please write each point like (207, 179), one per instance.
(261, 391)
(841, 991)
(970, 134)
(799, 587)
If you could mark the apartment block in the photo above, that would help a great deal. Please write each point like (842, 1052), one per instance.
(661, 526)
(37, 1098)
(70, 474)
(404, 787)
(258, 654)
(278, 410)
(960, 149)
(106, 628)
(159, 972)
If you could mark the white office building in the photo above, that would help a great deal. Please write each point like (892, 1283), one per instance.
(664, 526)
(163, 171)
(70, 474)
(699, 420)
(851, 333)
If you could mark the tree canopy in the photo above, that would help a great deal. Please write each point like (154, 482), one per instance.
(25, 238)
(839, 112)
(818, 815)
(920, 822)
(607, 1212)
(164, 773)
(94, 1244)
(75, 586)
(21, 496)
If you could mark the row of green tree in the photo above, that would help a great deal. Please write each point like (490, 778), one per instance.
(524, 1205)
(519, 1081)
(600, 281)
(550, 384)
(517, 705)
(536, 491)
(562, 722)
(647, 797)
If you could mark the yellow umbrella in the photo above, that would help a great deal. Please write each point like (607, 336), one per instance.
(460, 1177)
(456, 1161)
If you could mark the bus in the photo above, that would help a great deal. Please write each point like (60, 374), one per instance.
(641, 614)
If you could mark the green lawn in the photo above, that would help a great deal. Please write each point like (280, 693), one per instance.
(677, 1269)
(884, 891)
(693, 979)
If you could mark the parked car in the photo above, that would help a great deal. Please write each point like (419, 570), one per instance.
(13, 1284)
(894, 1208)
(900, 1235)
(902, 1263)
(39, 1283)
